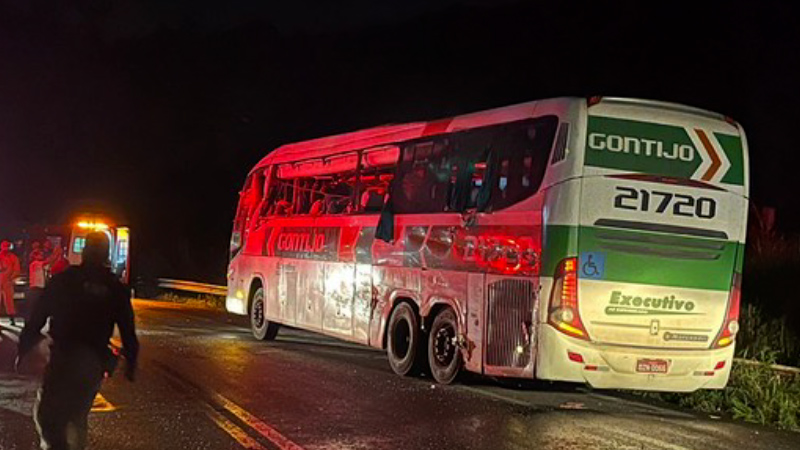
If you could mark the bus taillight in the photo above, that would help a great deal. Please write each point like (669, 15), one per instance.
(563, 313)
(730, 327)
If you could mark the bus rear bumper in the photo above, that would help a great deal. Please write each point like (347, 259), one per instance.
(564, 358)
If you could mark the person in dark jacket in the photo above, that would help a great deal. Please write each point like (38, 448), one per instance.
(83, 304)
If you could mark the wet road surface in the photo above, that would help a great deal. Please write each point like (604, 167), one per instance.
(205, 383)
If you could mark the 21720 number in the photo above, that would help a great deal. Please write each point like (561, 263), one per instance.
(665, 203)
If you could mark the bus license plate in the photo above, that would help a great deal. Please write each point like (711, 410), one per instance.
(651, 366)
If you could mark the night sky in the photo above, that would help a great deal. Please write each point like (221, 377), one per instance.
(155, 111)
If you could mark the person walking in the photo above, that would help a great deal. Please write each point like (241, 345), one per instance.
(9, 271)
(83, 303)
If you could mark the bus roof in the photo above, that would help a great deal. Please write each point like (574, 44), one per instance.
(664, 106)
(395, 133)
(390, 134)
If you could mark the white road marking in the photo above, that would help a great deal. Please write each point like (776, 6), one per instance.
(11, 336)
(271, 434)
(645, 439)
(233, 430)
(496, 396)
(17, 394)
(655, 409)
(16, 328)
(213, 401)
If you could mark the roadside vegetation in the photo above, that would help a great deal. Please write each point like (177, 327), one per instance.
(769, 334)
(756, 393)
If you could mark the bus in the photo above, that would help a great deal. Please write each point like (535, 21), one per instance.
(594, 240)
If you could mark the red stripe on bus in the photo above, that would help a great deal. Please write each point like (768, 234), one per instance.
(665, 180)
(436, 127)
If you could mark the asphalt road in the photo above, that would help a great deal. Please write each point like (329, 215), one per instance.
(205, 384)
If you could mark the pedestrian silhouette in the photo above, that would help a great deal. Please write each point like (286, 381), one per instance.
(83, 304)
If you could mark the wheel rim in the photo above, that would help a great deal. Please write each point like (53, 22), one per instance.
(444, 345)
(258, 313)
(401, 339)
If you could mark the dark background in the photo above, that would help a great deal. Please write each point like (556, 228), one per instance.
(155, 111)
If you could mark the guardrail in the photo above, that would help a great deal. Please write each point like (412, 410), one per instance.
(192, 286)
(786, 370)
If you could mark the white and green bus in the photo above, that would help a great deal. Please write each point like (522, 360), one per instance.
(597, 241)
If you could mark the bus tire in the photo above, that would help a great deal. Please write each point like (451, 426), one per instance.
(444, 355)
(263, 329)
(403, 340)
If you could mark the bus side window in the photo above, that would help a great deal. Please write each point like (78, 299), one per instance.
(338, 192)
(375, 174)
(302, 196)
(280, 195)
(240, 219)
(523, 152)
(467, 184)
(497, 166)
(262, 184)
(256, 192)
(423, 178)
(375, 187)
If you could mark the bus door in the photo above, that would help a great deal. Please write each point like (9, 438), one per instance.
(333, 243)
(294, 266)
(271, 240)
(302, 270)
(348, 276)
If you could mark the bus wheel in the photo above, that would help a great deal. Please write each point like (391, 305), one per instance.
(444, 355)
(263, 329)
(403, 340)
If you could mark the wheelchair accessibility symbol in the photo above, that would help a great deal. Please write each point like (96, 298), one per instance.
(593, 265)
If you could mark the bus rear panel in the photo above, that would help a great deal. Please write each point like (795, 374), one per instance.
(652, 278)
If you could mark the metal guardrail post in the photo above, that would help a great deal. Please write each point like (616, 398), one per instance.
(773, 367)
